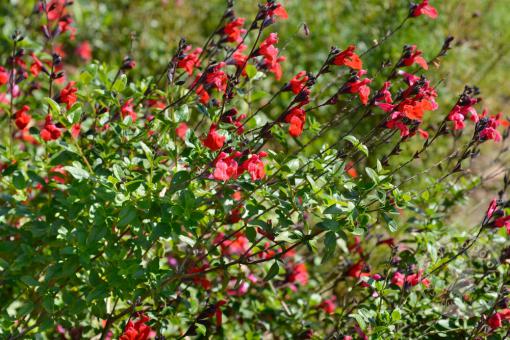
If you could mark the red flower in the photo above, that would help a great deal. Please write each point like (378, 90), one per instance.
(359, 86)
(50, 131)
(128, 110)
(22, 118)
(233, 30)
(233, 117)
(298, 83)
(75, 130)
(181, 130)
(270, 54)
(84, 51)
(424, 9)
(4, 76)
(399, 279)
(217, 78)
(495, 321)
(329, 305)
(202, 94)
(299, 274)
(384, 95)
(137, 330)
(255, 166)
(278, 11)
(37, 65)
(68, 95)
(190, 61)
(239, 59)
(296, 118)
(351, 171)
(489, 127)
(413, 56)
(349, 59)
(214, 141)
(237, 246)
(225, 167)
(356, 270)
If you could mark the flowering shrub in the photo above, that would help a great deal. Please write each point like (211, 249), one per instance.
(226, 197)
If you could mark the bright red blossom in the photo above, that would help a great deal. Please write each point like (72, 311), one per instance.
(4, 76)
(296, 119)
(424, 8)
(22, 118)
(137, 330)
(254, 166)
(348, 58)
(50, 131)
(68, 95)
(298, 83)
(233, 30)
(127, 109)
(413, 56)
(190, 61)
(270, 54)
(225, 167)
(214, 141)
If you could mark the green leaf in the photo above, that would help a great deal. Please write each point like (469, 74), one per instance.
(251, 71)
(54, 107)
(77, 172)
(19, 180)
(357, 144)
(391, 223)
(29, 281)
(201, 329)
(127, 215)
(273, 271)
(120, 84)
(372, 174)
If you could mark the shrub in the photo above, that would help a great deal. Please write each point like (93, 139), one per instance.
(225, 197)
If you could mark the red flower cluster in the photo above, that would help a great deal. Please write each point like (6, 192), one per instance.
(400, 279)
(236, 246)
(271, 60)
(415, 100)
(464, 108)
